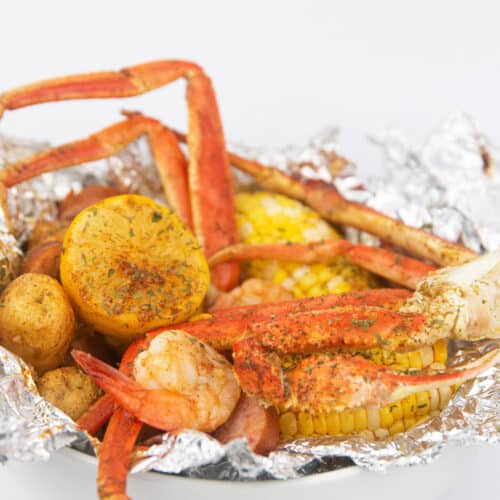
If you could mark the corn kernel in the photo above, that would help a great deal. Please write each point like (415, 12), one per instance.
(288, 284)
(316, 291)
(426, 355)
(377, 356)
(280, 275)
(307, 281)
(338, 286)
(323, 274)
(415, 360)
(373, 417)
(409, 406)
(422, 403)
(288, 424)
(386, 418)
(360, 419)
(397, 427)
(347, 421)
(320, 424)
(403, 360)
(389, 357)
(396, 410)
(282, 408)
(333, 423)
(440, 351)
(306, 424)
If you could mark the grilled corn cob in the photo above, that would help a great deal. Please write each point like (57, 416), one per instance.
(272, 218)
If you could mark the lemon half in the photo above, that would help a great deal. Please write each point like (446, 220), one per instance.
(130, 265)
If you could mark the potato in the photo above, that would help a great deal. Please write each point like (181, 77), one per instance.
(36, 320)
(44, 231)
(43, 259)
(69, 389)
(73, 204)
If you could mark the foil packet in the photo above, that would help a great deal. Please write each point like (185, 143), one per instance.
(448, 186)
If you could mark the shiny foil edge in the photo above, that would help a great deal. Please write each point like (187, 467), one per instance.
(31, 428)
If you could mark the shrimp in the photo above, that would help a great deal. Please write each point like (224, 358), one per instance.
(178, 382)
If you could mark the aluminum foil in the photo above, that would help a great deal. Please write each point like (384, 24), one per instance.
(448, 186)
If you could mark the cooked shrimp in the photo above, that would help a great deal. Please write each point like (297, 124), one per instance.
(180, 382)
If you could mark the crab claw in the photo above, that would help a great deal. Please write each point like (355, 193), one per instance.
(340, 382)
(461, 302)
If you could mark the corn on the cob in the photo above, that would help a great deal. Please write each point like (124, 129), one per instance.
(372, 423)
(273, 218)
(375, 423)
(426, 357)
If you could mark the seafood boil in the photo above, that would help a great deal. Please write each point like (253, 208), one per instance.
(320, 343)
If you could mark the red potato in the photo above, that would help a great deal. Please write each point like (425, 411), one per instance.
(43, 259)
(250, 420)
(45, 231)
(73, 204)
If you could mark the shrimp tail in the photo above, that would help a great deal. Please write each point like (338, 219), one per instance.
(160, 408)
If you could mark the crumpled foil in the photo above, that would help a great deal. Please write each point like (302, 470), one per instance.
(448, 186)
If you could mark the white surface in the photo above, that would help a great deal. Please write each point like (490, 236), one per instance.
(282, 71)
(469, 474)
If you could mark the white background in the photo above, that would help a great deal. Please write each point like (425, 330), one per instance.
(283, 70)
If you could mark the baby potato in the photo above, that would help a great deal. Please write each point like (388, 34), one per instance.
(44, 231)
(43, 259)
(36, 320)
(69, 389)
(73, 204)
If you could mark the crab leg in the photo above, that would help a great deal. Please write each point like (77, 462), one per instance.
(209, 174)
(337, 381)
(227, 325)
(402, 270)
(169, 159)
(328, 202)
(257, 355)
(343, 381)
(126, 82)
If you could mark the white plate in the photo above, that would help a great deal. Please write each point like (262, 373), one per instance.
(460, 474)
